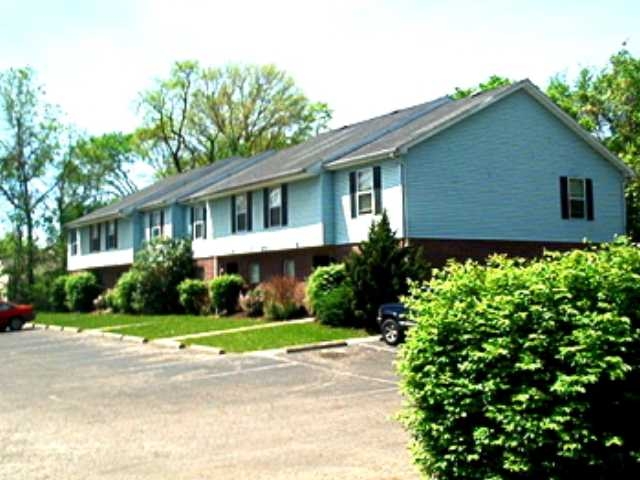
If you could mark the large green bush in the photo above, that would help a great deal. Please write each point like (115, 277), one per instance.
(58, 294)
(80, 290)
(321, 281)
(380, 271)
(160, 266)
(334, 307)
(225, 291)
(194, 296)
(527, 370)
(120, 299)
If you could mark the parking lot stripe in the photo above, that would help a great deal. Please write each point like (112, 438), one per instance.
(381, 348)
(240, 371)
(341, 372)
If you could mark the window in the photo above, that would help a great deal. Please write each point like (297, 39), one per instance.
(241, 213)
(156, 221)
(232, 267)
(365, 191)
(577, 198)
(73, 242)
(199, 222)
(289, 268)
(112, 235)
(94, 238)
(254, 273)
(275, 207)
(4, 307)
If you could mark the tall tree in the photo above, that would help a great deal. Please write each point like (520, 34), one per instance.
(606, 102)
(29, 145)
(198, 116)
(245, 110)
(494, 81)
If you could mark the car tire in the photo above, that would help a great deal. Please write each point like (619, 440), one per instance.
(392, 332)
(16, 324)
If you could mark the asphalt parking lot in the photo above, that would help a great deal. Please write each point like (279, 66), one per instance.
(77, 407)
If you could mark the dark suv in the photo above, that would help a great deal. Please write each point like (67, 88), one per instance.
(393, 322)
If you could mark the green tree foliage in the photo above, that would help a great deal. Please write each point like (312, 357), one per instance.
(120, 298)
(335, 306)
(606, 103)
(194, 296)
(81, 289)
(494, 81)
(379, 272)
(225, 292)
(527, 369)
(29, 146)
(199, 115)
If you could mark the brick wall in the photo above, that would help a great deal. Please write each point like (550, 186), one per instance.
(438, 251)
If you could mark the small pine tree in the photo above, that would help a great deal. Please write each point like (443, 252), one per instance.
(380, 271)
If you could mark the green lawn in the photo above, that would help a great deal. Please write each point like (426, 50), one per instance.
(176, 325)
(277, 337)
(91, 320)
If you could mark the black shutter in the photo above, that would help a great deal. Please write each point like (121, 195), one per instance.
(589, 186)
(233, 214)
(150, 224)
(204, 222)
(564, 197)
(352, 194)
(99, 236)
(377, 190)
(249, 211)
(192, 219)
(265, 207)
(115, 233)
(285, 204)
(162, 222)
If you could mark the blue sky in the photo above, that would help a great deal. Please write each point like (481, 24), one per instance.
(362, 57)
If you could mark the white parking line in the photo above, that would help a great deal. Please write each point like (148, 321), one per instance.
(340, 372)
(239, 371)
(381, 348)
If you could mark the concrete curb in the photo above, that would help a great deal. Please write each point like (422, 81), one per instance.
(371, 339)
(205, 349)
(316, 346)
(113, 336)
(71, 329)
(161, 342)
(134, 339)
(55, 328)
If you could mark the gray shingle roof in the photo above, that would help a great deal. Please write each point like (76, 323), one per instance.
(157, 192)
(323, 148)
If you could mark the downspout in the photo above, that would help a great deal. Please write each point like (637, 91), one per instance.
(403, 179)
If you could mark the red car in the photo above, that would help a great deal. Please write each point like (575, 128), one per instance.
(14, 316)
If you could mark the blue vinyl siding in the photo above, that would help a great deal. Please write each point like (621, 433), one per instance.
(353, 230)
(304, 200)
(496, 175)
(328, 206)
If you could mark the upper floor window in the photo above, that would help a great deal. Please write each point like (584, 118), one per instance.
(199, 216)
(576, 195)
(94, 238)
(156, 224)
(241, 213)
(365, 191)
(112, 235)
(73, 242)
(275, 206)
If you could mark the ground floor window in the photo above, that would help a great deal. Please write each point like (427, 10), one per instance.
(254, 273)
(289, 268)
(231, 267)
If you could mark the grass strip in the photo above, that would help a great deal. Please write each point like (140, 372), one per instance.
(177, 325)
(277, 337)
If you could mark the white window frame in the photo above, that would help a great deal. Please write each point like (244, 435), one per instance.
(156, 224)
(109, 233)
(73, 242)
(199, 222)
(244, 211)
(578, 198)
(289, 267)
(365, 192)
(275, 207)
(254, 273)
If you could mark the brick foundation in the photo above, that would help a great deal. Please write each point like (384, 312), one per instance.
(438, 251)
(108, 276)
